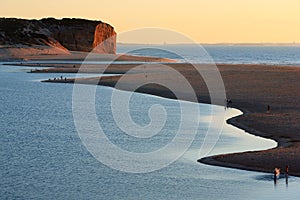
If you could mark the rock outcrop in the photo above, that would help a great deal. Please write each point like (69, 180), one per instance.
(65, 34)
(102, 45)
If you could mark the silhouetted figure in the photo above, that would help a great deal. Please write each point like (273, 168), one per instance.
(54, 78)
(275, 177)
(74, 66)
(268, 109)
(287, 175)
(228, 102)
(61, 77)
(65, 78)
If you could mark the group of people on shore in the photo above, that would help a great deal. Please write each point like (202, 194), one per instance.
(277, 172)
(61, 78)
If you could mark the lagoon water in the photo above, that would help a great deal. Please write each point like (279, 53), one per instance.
(42, 156)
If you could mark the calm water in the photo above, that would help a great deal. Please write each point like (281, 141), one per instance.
(274, 55)
(42, 157)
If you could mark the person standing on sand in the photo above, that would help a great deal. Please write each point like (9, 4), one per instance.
(268, 109)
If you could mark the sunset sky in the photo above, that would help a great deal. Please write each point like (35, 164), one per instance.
(205, 21)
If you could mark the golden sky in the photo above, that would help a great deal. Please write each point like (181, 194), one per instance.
(204, 21)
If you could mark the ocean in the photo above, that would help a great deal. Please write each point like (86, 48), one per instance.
(227, 54)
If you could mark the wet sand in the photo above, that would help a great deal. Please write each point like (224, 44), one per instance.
(251, 89)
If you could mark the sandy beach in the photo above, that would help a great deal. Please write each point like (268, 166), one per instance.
(251, 89)
(57, 54)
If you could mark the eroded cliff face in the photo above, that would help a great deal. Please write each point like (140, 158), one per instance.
(67, 34)
(104, 39)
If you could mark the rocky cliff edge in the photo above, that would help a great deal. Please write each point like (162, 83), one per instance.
(55, 36)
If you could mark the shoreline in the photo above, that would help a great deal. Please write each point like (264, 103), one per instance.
(211, 160)
(77, 56)
(251, 98)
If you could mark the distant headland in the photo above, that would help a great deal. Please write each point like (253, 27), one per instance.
(20, 38)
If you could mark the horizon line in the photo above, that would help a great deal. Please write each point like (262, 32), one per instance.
(220, 43)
